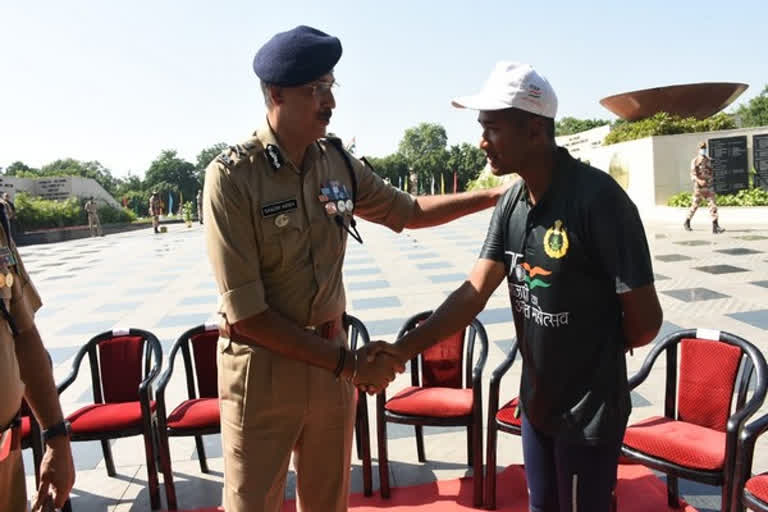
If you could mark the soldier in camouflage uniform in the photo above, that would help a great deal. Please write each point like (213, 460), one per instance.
(155, 210)
(702, 177)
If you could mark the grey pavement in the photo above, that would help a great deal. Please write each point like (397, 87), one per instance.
(163, 283)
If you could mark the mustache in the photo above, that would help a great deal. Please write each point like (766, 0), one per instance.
(325, 115)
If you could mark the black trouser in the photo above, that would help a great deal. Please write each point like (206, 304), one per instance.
(560, 473)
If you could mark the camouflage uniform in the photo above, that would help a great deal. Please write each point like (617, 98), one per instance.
(701, 170)
(155, 209)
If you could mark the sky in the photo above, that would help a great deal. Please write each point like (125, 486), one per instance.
(119, 82)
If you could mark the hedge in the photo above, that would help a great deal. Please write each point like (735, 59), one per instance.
(36, 213)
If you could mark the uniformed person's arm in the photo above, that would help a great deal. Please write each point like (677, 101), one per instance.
(57, 469)
(384, 204)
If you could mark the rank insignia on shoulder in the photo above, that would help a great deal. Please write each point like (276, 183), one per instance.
(224, 158)
(274, 156)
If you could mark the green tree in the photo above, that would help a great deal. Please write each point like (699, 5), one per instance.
(571, 125)
(21, 170)
(755, 112)
(92, 169)
(424, 150)
(392, 166)
(171, 174)
(467, 161)
(205, 157)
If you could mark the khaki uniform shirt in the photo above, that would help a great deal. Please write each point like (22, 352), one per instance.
(22, 301)
(270, 239)
(155, 205)
(90, 208)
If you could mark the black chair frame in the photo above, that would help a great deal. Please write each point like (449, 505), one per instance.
(163, 431)
(474, 422)
(152, 352)
(494, 425)
(752, 362)
(357, 333)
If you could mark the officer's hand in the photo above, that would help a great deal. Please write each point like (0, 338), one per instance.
(57, 474)
(374, 348)
(375, 375)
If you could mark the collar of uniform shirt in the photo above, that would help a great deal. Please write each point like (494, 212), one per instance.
(267, 136)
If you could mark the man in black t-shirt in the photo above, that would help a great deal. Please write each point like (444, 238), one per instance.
(573, 250)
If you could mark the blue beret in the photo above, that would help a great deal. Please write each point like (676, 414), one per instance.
(297, 57)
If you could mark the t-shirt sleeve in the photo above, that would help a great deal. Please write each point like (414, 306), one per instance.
(618, 239)
(493, 247)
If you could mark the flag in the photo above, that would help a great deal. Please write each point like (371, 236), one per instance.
(352, 144)
(125, 202)
(170, 204)
(432, 186)
(400, 182)
(455, 182)
(181, 201)
(442, 183)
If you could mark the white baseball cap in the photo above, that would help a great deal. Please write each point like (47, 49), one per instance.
(513, 84)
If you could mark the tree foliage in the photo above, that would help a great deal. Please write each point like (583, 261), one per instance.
(666, 124)
(171, 174)
(571, 125)
(467, 161)
(424, 149)
(204, 158)
(755, 112)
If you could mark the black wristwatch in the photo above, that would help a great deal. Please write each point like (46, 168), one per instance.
(59, 429)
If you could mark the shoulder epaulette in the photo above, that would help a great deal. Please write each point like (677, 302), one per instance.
(234, 156)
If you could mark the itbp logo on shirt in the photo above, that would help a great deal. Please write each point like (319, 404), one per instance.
(529, 274)
(556, 241)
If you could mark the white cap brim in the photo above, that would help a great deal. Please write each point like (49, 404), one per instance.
(479, 102)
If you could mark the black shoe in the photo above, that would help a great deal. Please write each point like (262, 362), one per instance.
(716, 229)
(687, 224)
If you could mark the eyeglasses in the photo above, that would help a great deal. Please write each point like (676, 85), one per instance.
(323, 88)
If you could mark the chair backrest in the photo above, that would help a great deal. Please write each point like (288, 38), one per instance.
(449, 362)
(121, 367)
(204, 352)
(707, 379)
(357, 333)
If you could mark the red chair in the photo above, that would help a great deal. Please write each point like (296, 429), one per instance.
(199, 414)
(697, 436)
(124, 363)
(750, 491)
(356, 332)
(506, 419)
(449, 396)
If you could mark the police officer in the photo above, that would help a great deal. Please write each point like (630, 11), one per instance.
(572, 248)
(94, 224)
(200, 205)
(702, 177)
(155, 210)
(278, 210)
(25, 372)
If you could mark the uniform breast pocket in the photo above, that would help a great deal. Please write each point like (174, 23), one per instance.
(284, 242)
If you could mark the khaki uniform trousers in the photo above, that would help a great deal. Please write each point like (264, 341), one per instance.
(13, 485)
(94, 224)
(272, 406)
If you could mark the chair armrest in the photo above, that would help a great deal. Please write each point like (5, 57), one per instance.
(69, 379)
(157, 353)
(650, 360)
(477, 371)
(498, 373)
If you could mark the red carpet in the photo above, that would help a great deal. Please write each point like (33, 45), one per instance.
(638, 491)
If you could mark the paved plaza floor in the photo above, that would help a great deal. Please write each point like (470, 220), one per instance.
(162, 283)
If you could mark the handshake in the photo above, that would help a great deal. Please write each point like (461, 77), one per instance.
(378, 363)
